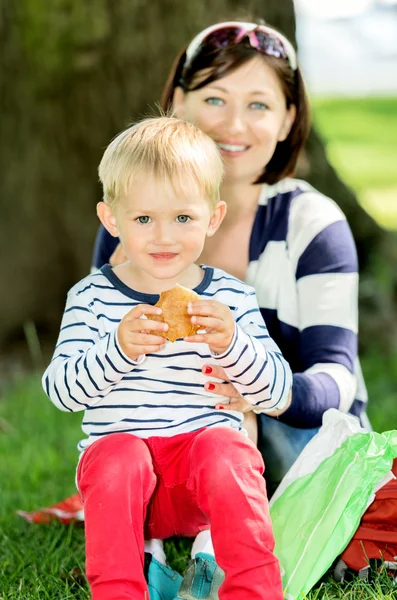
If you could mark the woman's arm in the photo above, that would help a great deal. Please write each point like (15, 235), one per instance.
(327, 290)
(104, 247)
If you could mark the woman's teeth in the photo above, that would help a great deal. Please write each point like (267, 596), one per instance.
(232, 147)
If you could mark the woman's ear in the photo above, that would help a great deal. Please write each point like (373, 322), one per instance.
(107, 218)
(178, 102)
(217, 217)
(287, 124)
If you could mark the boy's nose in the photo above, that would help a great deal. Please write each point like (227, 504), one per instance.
(163, 234)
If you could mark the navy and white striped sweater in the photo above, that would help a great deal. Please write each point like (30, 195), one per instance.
(303, 266)
(159, 394)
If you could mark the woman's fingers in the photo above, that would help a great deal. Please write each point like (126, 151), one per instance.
(215, 371)
(222, 389)
(239, 405)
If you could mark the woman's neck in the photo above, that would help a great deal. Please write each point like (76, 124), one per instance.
(241, 199)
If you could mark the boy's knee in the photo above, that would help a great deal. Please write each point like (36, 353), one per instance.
(222, 448)
(115, 459)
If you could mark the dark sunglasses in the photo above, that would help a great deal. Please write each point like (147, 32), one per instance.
(264, 39)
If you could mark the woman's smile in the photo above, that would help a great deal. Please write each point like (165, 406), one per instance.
(232, 148)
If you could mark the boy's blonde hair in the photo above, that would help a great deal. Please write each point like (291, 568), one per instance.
(167, 148)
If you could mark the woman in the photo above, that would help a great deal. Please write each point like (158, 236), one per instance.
(240, 83)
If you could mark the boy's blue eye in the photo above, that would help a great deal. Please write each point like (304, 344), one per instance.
(258, 106)
(213, 101)
(183, 218)
(144, 220)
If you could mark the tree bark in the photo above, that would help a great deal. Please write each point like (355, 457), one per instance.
(73, 75)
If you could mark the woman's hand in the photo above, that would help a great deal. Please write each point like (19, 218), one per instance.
(237, 402)
(118, 257)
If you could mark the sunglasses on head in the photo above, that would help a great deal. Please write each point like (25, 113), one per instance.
(264, 39)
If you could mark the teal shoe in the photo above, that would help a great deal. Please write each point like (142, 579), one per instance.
(202, 579)
(163, 582)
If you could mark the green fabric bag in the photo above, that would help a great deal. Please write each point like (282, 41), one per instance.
(317, 515)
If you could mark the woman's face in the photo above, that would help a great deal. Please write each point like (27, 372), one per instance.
(244, 113)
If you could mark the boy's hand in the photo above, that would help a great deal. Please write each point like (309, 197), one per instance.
(132, 332)
(217, 320)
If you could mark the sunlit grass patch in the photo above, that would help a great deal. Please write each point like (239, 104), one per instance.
(382, 203)
(361, 143)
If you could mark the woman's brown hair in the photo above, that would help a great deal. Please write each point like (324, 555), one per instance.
(222, 61)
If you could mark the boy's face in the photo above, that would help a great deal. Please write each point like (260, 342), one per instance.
(162, 228)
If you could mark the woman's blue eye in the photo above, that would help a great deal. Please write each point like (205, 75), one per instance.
(213, 101)
(183, 218)
(259, 106)
(144, 220)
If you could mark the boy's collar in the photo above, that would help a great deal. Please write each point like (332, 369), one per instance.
(108, 272)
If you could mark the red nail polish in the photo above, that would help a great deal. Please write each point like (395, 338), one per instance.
(207, 370)
(221, 407)
(211, 386)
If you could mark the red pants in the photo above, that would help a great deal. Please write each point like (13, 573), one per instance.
(160, 487)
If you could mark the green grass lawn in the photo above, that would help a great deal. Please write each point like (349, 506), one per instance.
(38, 457)
(362, 145)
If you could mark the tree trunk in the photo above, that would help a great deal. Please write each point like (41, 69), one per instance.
(73, 75)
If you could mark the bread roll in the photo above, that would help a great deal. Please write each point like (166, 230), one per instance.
(174, 303)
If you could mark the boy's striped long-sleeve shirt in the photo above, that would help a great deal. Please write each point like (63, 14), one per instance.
(159, 394)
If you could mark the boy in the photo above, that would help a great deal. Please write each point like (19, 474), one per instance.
(175, 463)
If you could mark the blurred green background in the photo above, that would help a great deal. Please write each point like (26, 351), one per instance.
(361, 142)
(360, 138)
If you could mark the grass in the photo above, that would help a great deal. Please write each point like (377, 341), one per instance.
(361, 144)
(38, 450)
(37, 446)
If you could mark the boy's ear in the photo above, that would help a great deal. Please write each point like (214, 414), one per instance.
(107, 218)
(217, 217)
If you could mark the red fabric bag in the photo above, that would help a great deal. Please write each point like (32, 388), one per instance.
(69, 510)
(376, 536)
